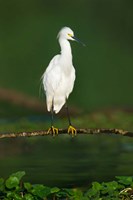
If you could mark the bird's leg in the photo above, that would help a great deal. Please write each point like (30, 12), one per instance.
(52, 129)
(71, 129)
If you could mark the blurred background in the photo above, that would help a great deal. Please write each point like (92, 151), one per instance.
(28, 41)
(102, 96)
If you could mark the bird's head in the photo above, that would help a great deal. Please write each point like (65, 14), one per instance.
(68, 34)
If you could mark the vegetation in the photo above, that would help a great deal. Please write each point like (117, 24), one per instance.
(14, 188)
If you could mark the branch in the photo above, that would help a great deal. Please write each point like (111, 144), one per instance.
(64, 131)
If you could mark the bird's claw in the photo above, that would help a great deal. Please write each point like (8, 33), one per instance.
(53, 130)
(72, 130)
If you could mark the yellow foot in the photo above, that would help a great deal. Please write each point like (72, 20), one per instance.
(53, 130)
(72, 130)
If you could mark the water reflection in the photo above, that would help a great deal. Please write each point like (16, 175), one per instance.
(65, 161)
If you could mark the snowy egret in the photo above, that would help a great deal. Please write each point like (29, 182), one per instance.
(59, 77)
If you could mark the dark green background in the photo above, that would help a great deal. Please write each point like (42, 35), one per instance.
(28, 31)
(104, 68)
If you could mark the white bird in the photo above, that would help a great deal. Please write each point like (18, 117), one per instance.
(59, 77)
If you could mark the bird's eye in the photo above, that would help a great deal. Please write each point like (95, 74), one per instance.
(69, 34)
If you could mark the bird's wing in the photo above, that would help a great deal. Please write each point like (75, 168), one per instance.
(51, 80)
(52, 63)
(52, 76)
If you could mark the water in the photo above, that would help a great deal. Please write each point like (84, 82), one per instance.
(64, 161)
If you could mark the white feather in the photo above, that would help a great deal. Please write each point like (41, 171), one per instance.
(59, 77)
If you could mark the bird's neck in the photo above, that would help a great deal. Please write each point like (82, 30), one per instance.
(65, 48)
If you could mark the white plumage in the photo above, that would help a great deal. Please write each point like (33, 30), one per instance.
(58, 79)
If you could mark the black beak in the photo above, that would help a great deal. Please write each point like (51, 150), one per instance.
(76, 39)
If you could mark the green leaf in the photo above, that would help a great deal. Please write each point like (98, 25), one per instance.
(110, 188)
(2, 187)
(111, 185)
(94, 191)
(28, 186)
(41, 191)
(74, 194)
(18, 174)
(1, 181)
(14, 179)
(13, 195)
(77, 194)
(62, 194)
(68, 192)
(28, 197)
(86, 198)
(10, 194)
(12, 182)
(96, 186)
(17, 197)
(54, 190)
(92, 194)
(125, 180)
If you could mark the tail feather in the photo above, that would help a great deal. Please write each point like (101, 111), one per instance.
(49, 102)
(57, 102)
